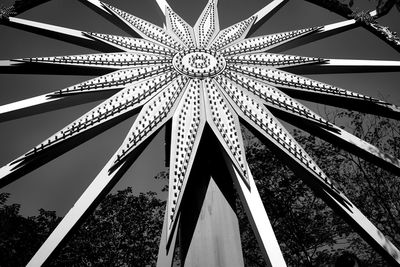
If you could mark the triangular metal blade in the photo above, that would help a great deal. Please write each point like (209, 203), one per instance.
(180, 28)
(130, 44)
(187, 127)
(266, 42)
(232, 34)
(146, 29)
(207, 26)
(225, 125)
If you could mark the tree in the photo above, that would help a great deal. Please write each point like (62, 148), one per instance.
(21, 237)
(124, 230)
(309, 232)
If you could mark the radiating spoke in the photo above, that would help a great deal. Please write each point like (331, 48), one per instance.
(345, 66)
(273, 60)
(90, 90)
(295, 113)
(166, 249)
(258, 218)
(59, 33)
(309, 89)
(47, 102)
(313, 65)
(178, 27)
(86, 64)
(323, 32)
(130, 44)
(187, 128)
(146, 29)
(232, 34)
(266, 42)
(113, 110)
(266, 12)
(24, 66)
(151, 118)
(225, 124)
(207, 26)
(115, 80)
(163, 4)
(100, 8)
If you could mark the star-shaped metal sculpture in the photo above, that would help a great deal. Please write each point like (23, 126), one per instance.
(199, 77)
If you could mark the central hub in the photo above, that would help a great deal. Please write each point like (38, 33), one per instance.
(199, 63)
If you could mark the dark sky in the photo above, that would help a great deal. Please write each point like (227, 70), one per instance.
(58, 184)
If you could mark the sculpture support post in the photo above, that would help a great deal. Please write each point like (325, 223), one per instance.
(209, 229)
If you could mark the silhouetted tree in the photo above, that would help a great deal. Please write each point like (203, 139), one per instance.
(309, 232)
(123, 231)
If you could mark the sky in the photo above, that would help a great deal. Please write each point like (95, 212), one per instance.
(59, 183)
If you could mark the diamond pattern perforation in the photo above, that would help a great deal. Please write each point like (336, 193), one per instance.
(263, 43)
(232, 34)
(132, 44)
(117, 60)
(187, 122)
(221, 118)
(146, 29)
(115, 80)
(153, 115)
(207, 25)
(271, 128)
(274, 60)
(180, 28)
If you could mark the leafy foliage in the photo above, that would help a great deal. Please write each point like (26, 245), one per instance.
(309, 232)
(123, 231)
(21, 237)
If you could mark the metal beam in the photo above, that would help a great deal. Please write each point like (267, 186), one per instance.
(313, 65)
(266, 13)
(266, 42)
(224, 122)
(323, 32)
(204, 32)
(345, 66)
(180, 29)
(187, 129)
(311, 90)
(82, 64)
(232, 34)
(103, 11)
(56, 32)
(91, 90)
(163, 4)
(257, 217)
(146, 29)
(165, 257)
(48, 102)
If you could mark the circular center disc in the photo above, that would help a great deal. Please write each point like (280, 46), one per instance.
(199, 63)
